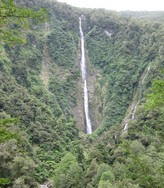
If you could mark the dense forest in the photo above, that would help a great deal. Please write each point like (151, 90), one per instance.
(43, 140)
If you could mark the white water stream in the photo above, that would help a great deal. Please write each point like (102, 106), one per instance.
(148, 69)
(132, 116)
(83, 71)
(133, 111)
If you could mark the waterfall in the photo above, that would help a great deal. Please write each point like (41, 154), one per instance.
(125, 127)
(133, 111)
(146, 74)
(84, 78)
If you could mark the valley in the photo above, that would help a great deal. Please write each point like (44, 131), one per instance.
(82, 101)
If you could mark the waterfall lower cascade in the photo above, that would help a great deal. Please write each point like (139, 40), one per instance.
(84, 78)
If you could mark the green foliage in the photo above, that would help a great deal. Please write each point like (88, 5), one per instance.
(4, 181)
(15, 164)
(14, 18)
(156, 98)
(105, 184)
(5, 132)
(63, 51)
(121, 53)
(7, 135)
(100, 174)
(156, 16)
(68, 173)
(126, 54)
(91, 171)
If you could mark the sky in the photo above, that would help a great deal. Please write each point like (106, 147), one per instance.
(119, 5)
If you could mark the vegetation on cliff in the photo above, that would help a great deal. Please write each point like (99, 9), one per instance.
(40, 138)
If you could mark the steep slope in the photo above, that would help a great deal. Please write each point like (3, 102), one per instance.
(44, 108)
(45, 71)
(41, 86)
(122, 58)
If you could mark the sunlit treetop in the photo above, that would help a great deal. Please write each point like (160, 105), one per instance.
(156, 98)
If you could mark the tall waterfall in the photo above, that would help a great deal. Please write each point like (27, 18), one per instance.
(84, 77)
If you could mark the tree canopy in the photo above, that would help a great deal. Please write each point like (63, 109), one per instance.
(14, 18)
(156, 98)
(48, 146)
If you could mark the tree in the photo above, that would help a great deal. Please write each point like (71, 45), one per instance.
(5, 132)
(101, 170)
(14, 169)
(156, 98)
(14, 18)
(68, 173)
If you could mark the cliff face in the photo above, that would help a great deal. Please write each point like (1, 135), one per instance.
(41, 85)
(117, 53)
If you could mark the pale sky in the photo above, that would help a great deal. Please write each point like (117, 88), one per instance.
(135, 5)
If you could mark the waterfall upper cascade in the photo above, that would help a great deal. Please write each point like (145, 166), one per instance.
(84, 78)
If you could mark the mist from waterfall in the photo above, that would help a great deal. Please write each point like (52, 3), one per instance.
(84, 78)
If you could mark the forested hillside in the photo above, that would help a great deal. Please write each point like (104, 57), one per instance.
(43, 136)
(156, 16)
